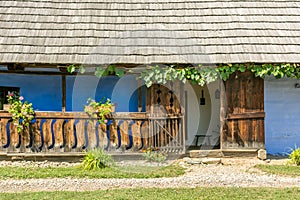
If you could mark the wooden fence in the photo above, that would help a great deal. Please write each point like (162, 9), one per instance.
(75, 132)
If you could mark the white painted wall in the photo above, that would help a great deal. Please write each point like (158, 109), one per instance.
(282, 122)
(202, 119)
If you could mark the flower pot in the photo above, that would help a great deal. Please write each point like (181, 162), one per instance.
(6, 106)
(113, 108)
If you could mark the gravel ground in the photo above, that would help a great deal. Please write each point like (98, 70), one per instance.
(232, 173)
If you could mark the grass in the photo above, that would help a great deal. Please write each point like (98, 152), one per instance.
(155, 193)
(76, 172)
(287, 170)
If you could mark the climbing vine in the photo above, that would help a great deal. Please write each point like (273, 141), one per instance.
(261, 70)
(197, 75)
(200, 75)
(99, 71)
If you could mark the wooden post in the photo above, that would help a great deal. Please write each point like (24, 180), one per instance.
(140, 96)
(222, 111)
(64, 91)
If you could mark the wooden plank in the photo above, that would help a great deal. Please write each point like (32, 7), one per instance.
(252, 115)
(124, 133)
(102, 135)
(80, 115)
(14, 135)
(47, 134)
(113, 134)
(80, 134)
(58, 133)
(3, 136)
(136, 136)
(25, 139)
(92, 141)
(36, 134)
(69, 135)
(145, 133)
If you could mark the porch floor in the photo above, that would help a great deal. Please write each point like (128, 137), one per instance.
(78, 156)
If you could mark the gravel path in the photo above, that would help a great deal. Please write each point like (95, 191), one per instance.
(239, 174)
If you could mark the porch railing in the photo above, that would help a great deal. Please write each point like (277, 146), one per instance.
(75, 132)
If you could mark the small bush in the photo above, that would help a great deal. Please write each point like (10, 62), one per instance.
(295, 156)
(97, 159)
(154, 155)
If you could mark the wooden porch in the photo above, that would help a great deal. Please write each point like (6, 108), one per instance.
(66, 132)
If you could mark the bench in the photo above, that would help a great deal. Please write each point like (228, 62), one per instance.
(204, 137)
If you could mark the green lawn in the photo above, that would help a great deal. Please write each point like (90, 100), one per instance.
(195, 193)
(280, 169)
(75, 172)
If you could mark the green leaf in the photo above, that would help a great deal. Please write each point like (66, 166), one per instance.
(242, 68)
(99, 72)
(119, 72)
(71, 68)
(111, 69)
(81, 69)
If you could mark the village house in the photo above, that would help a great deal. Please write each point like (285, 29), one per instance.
(40, 39)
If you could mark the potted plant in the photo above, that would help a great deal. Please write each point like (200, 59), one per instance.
(100, 110)
(21, 111)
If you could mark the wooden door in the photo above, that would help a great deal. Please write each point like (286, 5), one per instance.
(244, 118)
(166, 124)
(165, 99)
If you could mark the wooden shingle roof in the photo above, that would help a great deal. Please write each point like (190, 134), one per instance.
(152, 31)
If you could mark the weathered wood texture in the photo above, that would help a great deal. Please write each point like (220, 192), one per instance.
(164, 99)
(133, 31)
(244, 121)
(75, 132)
(166, 122)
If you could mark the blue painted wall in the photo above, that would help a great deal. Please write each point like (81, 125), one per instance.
(45, 91)
(122, 91)
(282, 122)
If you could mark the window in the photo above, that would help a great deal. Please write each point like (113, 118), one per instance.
(4, 92)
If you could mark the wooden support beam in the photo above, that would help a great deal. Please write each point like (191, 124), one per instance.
(140, 96)
(222, 112)
(31, 72)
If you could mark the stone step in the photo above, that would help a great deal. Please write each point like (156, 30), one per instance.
(228, 153)
(198, 161)
(205, 153)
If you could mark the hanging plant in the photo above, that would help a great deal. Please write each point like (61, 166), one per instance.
(99, 110)
(21, 111)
